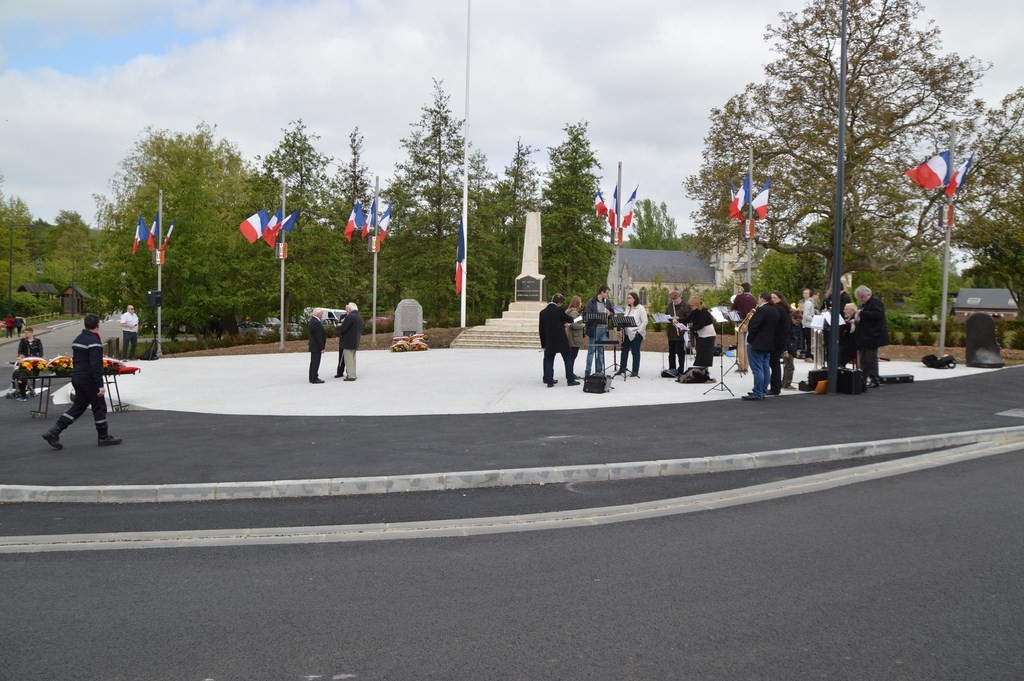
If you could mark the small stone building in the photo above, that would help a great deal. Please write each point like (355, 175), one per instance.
(645, 271)
(995, 301)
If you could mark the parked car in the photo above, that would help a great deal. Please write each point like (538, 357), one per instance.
(255, 328)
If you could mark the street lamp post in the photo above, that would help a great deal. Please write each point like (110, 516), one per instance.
(10, 270)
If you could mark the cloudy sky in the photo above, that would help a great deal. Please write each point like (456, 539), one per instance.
(82, 80)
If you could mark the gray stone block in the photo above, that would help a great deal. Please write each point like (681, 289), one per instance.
(187, 492)
(244, 490)
(416, 483)
(472, 479)
(302, 488)
(343, 487)
(129, 494)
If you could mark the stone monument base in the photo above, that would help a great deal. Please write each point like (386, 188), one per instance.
(516, 328)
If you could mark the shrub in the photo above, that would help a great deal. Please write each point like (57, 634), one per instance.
(909, 338)
(927, 334)
(1017, 341)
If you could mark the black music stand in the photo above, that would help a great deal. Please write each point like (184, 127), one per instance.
(621, 322)
(720, 385)
(734, 317)
(599, 346)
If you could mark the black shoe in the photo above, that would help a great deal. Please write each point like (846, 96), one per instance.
(575, 377)
(550, 385)
(53, 437)
(318, 380)
(339, 375)
(349, 378)
(573, 383)
(774, 393)
(620, 372)
(752, 398)
(633, 374)
(108, 440)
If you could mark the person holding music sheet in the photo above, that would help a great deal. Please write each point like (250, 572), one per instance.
(596, 315)
(553, 323)
(678, 310)
(872, 333)
(577, 338)
(703, 326)
(633, 336)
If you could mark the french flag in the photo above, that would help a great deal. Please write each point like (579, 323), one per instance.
(355, 220)
(611, 208)
(739, 199)
(167, 238)
(599, 206)
(270, 232)
(760, 202)
(460, 257)
(289, 222)
(154, 234)
(385, 220)
(933, 173)
(141, 235)
(372, 222)
(627, 212)
(958, 177)
(253, 226)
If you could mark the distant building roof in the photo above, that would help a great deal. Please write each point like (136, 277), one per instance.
(37, 289)
(985, 299)
(671, 266)
(77, 289)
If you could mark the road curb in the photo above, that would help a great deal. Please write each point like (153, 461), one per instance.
(386, 484)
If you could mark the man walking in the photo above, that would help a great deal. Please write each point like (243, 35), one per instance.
(129, 333)
(317, 344)
(760, 339)
(553, 323)
(349, 332)
(87, 380)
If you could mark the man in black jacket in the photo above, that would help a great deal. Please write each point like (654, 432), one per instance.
(872, 333)
(87, 380)
(760, 340)
(596, 315)
(349, 332)
(317, 344)
(553, 323)
(678, 310)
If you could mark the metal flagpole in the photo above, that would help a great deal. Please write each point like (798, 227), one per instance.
(945, 258)
(158, 256)
(750, 214)
(282, 253)
(837, 229)
(465, 174)
(619, 297)
(375, 246)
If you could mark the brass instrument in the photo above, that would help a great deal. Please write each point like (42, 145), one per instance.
(742, 362)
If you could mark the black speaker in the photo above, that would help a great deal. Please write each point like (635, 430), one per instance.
(155, 298)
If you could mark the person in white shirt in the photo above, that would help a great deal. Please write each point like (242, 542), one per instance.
(129, 333)
(633, 336)
(808, 308)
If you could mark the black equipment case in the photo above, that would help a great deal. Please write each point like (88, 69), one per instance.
(850, 381)
(596, 383)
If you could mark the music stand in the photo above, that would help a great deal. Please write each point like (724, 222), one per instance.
(599, 345)
(734, 317)
(621, 322)
(720, 319)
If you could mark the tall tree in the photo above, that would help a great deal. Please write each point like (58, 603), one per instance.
(353, 183)
(576, 247)
(991, 219)
(902, 96)
(427, 193)
(653, 227)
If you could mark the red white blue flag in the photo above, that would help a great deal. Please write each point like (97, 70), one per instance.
(760, 202)
(154, 234)
(355, 221)
(289, 222)
(599, 205)
(141, 235)
(385, 220)
(253, 226)
(167, 238)
(627, 212)
(270, 232)
(933, 173)
(739, 199)
(460, 257)
(958, 177)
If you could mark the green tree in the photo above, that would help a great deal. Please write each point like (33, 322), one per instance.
(991, 222)
(14, 211)
(353, 183)
(653, 227)
(517, 193)
(902, 93)
(577, 251)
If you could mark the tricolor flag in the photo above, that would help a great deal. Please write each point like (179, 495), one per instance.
(141, 235)
(933, 173)
(760, 202)
(154, 234)
(958, 177)
(355, 220)
(627, 212)
(611, 208)
(372, 222)
(289, 222)
(599, 206)
(739, 199)
(385, 220)
(270, 231)
(168, 237)
(252, 228)
(460, 256)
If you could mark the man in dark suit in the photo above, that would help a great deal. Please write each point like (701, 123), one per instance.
(349, 332)
(553, 322)
(872, 333)
(760, 340)
(317, 344)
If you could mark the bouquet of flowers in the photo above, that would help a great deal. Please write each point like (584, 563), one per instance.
(111, 366)
(418, 342)
(400, 344)
(61, 365)
(32, 365)
(410, 343)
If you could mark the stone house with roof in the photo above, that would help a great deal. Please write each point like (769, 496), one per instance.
(647, 271)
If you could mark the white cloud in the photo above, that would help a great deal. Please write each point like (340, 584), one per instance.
(644, 75)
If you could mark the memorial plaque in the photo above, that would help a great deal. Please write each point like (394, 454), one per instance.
(408, 318)
(528, 289)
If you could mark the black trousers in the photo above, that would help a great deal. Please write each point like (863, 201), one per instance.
(775, 359)
(314, 364)
(86, 396)
(130, 339)
(677, 349)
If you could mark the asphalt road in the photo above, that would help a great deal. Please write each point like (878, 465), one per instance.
(910, 577)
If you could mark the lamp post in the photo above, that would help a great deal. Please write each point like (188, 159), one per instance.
(10, 269)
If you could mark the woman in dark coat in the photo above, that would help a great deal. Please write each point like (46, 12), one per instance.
(780, 341)
(702, 324)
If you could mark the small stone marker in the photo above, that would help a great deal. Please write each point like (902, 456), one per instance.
(408, 318)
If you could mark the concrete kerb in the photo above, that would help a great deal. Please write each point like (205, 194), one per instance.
(496, 478)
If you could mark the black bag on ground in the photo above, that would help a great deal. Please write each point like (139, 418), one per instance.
(595, 383)
(694, 375)
(934, 362)
(850, 381)
(670, 373)
(149, 354)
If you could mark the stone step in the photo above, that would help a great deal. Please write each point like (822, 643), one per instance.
(495, 337)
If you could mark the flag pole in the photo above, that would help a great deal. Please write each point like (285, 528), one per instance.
(945, 257)
(837, 229)
(282, 252)
(465, 174)
(375, 245)
(159, 271)
(619, 297)
(750, 214)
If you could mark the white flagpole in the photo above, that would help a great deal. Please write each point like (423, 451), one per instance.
(945, 257)
(618, 295)
(159, 272)
(375, 245)
(284, 216)
(750, 213)
(465, 173)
